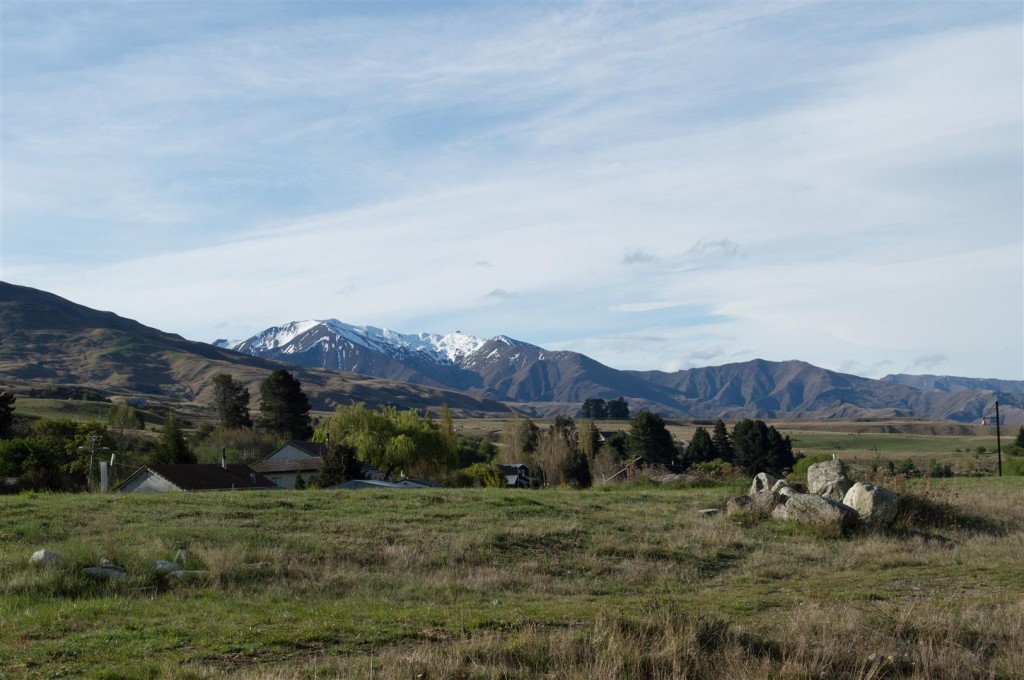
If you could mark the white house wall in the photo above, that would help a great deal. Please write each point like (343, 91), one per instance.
(147, 482)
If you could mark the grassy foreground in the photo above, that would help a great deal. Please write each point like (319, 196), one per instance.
(626, 582)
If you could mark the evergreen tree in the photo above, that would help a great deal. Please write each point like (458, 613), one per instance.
(618, 409)
(6, 414)
(722, 443)
(594, 409)
(701, 447)
(648, 437)
(231, 400)
(172, 448)
(340, 465)
(284, 408)
(760, 448)
(1019, 441)
(575, 471)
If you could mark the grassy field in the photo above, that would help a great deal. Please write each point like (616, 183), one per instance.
(623, 582)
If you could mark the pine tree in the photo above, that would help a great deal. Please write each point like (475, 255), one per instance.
(231, 400)
(648, 437)
(1019, 441)
(172, 448)
(6, 414)
(721, 441)
(618, 409)
(701, 447)
(284, 408)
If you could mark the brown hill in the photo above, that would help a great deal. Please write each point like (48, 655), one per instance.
(48, 341)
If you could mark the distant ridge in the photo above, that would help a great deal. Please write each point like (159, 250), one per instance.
(47, 341)
(546, 383)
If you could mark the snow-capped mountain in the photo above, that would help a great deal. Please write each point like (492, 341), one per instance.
(330, 336)
(495, 368)
(546, 382)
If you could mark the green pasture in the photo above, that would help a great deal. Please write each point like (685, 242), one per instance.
(618, 582)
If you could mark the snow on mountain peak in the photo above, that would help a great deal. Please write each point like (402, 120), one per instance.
(450, 348)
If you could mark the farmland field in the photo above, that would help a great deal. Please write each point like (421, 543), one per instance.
(614, 582)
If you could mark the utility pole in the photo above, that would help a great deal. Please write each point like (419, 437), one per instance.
(999, 441)
(92, 438)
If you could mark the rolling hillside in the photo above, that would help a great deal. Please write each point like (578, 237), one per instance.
(46, 341)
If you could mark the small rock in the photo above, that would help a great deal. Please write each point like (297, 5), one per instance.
(106, 573)
(164, 567)
(763, 482)
(786, 484)
(187, 560)
(709, 512)
(737, 505)
(188, 576)
(45, 558)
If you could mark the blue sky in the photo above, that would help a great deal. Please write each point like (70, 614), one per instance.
(657, 185)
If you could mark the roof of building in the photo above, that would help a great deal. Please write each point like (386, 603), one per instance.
(378, 484)
(312, 448)
(206, 477)
(312, 463)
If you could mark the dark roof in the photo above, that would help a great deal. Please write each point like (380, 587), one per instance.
(512, 469)
(312, 448)
(207, 477)
(288, 465)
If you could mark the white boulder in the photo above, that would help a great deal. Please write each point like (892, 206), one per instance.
(874, 504)
(828, 479)
(809, 508)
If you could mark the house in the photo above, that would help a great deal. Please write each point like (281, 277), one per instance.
(197, 477)
(516, 475)
(296, 458)
(381, 484)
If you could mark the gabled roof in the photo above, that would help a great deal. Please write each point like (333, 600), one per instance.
(378, 484)
(206, 477)
(312, 448)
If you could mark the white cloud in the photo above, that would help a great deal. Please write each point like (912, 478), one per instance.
(386, 168)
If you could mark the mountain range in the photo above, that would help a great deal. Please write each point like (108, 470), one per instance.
(48, 342)
(545, 383)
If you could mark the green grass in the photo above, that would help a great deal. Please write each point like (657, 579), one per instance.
(623, 582)
(888, 445)
(73, 409)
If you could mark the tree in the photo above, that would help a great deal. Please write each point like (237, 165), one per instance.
(575, 471)
(589, 439)
(172, 449)
(701, 447)
(391, 440)
(231, 401)
(121, 419)
(552, 453)
(722, 443)
(1019, 441)
(519, 439)
(595, 409)
(284, 407)
(618, 409)
(447, 427)
(760, 448)
(340, 465)
(648, 437)
(6, 414)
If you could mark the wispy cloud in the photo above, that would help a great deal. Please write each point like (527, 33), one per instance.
(381, 165)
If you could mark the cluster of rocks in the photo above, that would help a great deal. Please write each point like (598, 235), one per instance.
(184, 567)
(830, 500)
